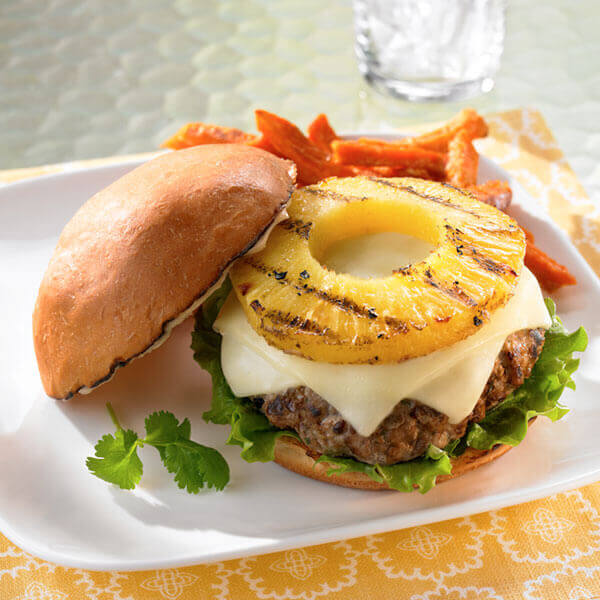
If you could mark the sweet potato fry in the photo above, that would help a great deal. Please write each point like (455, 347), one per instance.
(356, 170)
(321, 133)
(373, 171)
(496, 193)
(528, 235)
(375, 153)
(438, 140)
(550, 274)
(264, 144)
(463, 160)
(195, 134)
(388, 171)
(312, 162)
(322, 154)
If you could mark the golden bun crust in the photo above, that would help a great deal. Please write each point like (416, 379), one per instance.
(142, 252)
(292, 454)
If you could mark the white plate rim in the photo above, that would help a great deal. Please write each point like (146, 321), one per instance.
(367, 527)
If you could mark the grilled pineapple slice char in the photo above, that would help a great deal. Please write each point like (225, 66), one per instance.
(301, 307)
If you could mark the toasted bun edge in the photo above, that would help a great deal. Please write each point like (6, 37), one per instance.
(293, 455)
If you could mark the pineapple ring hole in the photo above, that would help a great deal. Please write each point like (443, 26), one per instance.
(375, 255)
(363, 240)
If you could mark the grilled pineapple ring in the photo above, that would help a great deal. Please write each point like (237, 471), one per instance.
(301, 307)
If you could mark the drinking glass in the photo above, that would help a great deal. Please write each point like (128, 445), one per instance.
(430, 49)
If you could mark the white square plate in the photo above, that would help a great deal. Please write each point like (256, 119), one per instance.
(52, 507)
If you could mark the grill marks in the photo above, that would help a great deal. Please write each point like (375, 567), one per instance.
(320, 193)
(464, 248)
(463, 192)
(485, 262)
(491, 265)
(454, 291)
(286, 320)
(299, 227)
(346, 304)
(289, 321)
(436, 199)
(257, 307)
(303, 308)
(397, 325)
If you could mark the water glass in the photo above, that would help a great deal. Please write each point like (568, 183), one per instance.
(430, 49)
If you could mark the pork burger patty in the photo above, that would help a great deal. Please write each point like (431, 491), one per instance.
(409, 429)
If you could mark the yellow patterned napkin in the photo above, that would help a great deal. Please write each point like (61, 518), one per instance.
(547, 550)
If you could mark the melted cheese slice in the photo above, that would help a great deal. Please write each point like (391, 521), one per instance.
(449, 380)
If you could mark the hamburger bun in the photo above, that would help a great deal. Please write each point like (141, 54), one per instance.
(142, 254)
(295, 456)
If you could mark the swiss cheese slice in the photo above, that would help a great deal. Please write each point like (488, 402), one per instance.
(449, 380)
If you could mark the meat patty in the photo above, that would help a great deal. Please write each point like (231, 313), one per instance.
(409, 429)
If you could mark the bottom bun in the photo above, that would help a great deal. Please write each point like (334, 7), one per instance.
(297, 457)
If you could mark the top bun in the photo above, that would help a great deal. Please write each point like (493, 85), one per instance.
(142, 254)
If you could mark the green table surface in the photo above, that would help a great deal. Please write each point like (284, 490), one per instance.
(89, 78)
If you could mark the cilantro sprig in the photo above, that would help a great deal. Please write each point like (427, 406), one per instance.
(193, 465)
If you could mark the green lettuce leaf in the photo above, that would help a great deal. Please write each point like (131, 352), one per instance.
(338, 464)
(538, 396)
(252, 431)
(506, 424)
(206, 345)
(249, 428)
(420, 473)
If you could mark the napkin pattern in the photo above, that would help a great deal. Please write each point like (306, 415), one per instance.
(521, 142)
(543, 550)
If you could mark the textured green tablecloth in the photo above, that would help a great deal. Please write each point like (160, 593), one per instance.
(90, 78)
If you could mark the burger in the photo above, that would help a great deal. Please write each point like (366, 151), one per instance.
(368, 332)
(371, 361)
